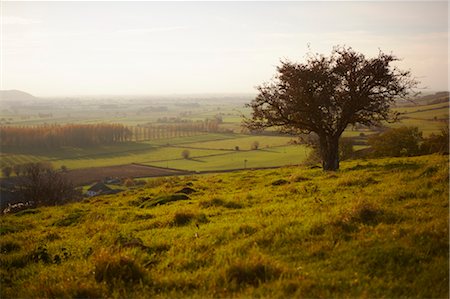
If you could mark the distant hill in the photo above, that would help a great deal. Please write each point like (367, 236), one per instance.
(15, 96)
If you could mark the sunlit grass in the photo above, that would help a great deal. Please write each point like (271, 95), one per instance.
(376, 228)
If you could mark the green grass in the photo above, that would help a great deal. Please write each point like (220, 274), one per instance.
(206, 151)
(244, 142)
(99, 158)
(422, 108)
(277, 156)
(423, 117)
(376, 228)
(117, 154)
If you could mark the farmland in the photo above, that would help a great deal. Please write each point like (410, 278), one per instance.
(207, 152)
(229, 148)
(376, 228)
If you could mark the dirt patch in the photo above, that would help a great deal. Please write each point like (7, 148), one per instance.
(86, 176)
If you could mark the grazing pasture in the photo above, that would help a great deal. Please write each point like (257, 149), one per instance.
(376, 228)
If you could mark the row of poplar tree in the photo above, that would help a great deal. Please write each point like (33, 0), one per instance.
(79, 135)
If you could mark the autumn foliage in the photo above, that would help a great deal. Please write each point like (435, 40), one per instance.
(54, 136)
(81, 135)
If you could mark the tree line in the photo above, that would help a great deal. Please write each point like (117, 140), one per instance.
(55, 135)
(184, 129)
(82, 135)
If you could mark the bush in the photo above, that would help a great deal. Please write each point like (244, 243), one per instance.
(436, 143)
(398, 142)
(345, 148)
(185, 154)
(7, 171)
(17, 169)
(255, 145)
(315, 157)
(129, 182)
(43, 186)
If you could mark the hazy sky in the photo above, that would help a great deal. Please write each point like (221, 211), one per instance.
(82, 48)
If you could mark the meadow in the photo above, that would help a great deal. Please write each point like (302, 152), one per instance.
(375, 228)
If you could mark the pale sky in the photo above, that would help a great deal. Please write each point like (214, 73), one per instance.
(89, 48)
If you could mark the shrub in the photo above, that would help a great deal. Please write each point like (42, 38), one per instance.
(255, 145)
(398, 142)
(7, 170)
(17, 169)
(129, 182)
(345, 148)
(436, 143)
(185, 154)
(43, 186)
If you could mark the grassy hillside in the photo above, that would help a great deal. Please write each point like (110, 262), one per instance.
(377, 228)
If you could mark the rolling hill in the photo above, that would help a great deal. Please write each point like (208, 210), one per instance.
(14, 96)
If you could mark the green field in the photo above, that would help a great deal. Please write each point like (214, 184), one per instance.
(244, 142)
(207, 152)
(428, 118)
(283, 155)
(375, 229)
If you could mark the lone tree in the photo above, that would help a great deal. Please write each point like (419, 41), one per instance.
(326, 94)
(185, 154)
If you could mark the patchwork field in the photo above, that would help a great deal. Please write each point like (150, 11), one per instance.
(376, 228)
(206, 152)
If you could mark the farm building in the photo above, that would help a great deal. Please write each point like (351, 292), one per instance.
(99, 188)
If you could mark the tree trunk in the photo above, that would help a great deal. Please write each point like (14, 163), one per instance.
(329, 149)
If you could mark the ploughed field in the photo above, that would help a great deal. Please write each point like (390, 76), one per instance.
(376, 228)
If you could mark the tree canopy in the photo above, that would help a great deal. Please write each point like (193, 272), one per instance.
(326, 94)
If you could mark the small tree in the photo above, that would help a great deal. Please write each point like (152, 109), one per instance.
(42, 185)
(326, 94)
(403, 141)
(185, 154)
(255, 145)
(7, 170)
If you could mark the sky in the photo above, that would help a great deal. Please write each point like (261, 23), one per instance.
(137, 48)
